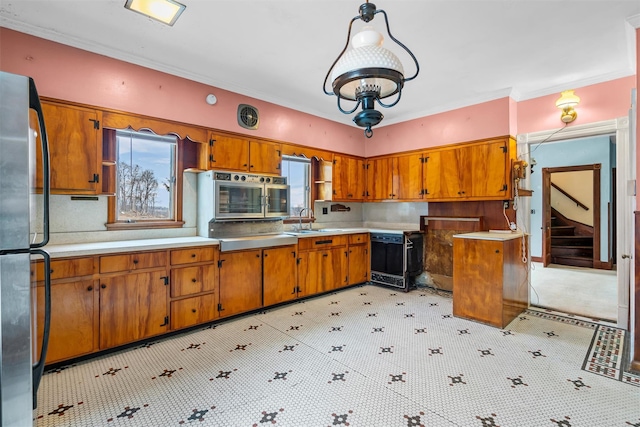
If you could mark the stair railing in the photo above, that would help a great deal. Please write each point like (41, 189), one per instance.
(573, 199)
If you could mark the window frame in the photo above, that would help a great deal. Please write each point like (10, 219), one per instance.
(308, 190)
(110, 143)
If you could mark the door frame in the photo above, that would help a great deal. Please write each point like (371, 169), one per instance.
(625, 203)
(546, 213)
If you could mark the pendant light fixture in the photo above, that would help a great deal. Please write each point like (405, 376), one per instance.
(368, 72)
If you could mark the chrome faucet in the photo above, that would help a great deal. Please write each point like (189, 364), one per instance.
(310, 213)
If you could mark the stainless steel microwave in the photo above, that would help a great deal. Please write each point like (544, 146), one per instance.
(228, 196)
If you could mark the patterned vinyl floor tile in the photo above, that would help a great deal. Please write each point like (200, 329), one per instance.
(365, 356)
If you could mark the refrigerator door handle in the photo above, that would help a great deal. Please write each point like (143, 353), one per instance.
(34, 104)
(38, 367)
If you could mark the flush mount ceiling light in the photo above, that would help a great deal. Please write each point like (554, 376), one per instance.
(165, 11)
(566, 103)
(368, 72)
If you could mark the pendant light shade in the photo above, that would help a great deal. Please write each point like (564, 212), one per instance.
(368, 72)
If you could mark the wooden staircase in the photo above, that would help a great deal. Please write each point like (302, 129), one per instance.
(571, 242)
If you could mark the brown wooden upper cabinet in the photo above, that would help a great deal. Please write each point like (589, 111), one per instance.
(241, 154)
(75, 149)
(477, 171)
(395, 178)
(349, 178)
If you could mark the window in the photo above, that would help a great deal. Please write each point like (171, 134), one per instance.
(298, 173)
(145, 177)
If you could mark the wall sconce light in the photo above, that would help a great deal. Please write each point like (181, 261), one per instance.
(368, 72)
(567, 101)
(165, 11)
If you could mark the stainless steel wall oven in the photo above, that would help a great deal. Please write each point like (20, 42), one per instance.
(396, 259)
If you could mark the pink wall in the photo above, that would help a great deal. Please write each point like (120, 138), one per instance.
(478, 121)
(603, 101)
(72, 74)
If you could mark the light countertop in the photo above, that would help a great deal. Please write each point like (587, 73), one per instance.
(100, 248)
(489, 235)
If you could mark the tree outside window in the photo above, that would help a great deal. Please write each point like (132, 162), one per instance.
(146, 176)
(298, 173)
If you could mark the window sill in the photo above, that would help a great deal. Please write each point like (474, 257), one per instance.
(139, 225)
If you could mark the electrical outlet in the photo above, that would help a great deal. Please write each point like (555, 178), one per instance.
(325, 211)
(505, 204)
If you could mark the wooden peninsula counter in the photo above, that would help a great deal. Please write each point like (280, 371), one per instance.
(489, 278)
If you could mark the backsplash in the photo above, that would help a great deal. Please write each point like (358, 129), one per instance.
(83, 221)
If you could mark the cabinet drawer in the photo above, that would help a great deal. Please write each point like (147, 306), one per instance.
(136, 261)
(63, 268)
(191, 255)
(309, 243)
(192, 311)
(355, 239)
(192, 280)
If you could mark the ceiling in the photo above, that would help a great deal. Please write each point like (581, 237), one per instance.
(280, 50)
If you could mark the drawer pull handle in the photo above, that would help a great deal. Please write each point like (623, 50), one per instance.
(324, 242)
(90, 288)
(135, 261)
(193, 255)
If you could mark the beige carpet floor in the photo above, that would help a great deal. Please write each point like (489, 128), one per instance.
(582, 291)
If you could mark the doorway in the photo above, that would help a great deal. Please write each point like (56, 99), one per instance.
(571, 217)
(618, 130)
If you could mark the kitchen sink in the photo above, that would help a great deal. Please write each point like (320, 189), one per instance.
(256, 241)
(316, 231)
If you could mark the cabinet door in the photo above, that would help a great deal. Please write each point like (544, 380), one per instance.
(322, 270)
(240, 281)
(265, 157)
(132, 307)
(348, 178)
(73, 320)
(489, 166)
(379, 179)
(75, 151)
(279, 274)
(193, 311)
(443, 175)
(407, 177)
(358, 264)
(227, 152)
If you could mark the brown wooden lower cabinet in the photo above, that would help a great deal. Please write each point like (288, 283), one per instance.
(322, 270)
(279, 274)
(240, 281)
(489, 278)
(192, 311)
(73, 314)
(132, 307)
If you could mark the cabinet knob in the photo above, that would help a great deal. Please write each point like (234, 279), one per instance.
(497, 251)
(193, 310)
(194, 280)
(103, 286)
(51, 271)
(135, 261)
(90, 288)
(193, 255)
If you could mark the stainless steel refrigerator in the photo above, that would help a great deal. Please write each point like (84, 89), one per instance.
(23, 210)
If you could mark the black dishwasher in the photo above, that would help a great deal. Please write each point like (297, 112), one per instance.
(396, 259)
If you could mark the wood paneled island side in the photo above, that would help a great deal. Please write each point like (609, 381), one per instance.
(489, 277)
